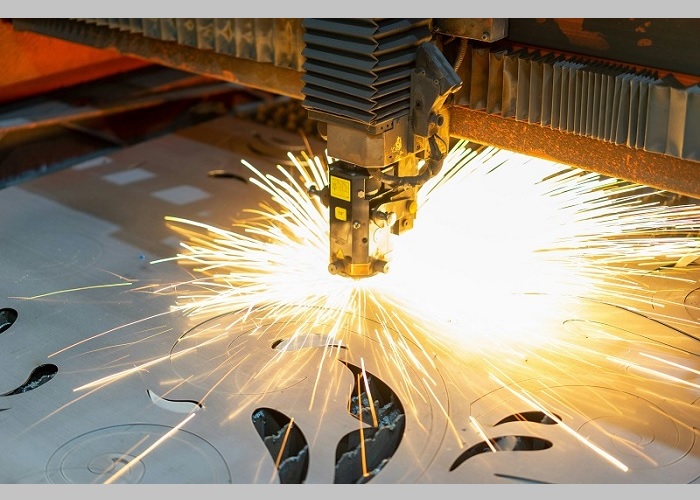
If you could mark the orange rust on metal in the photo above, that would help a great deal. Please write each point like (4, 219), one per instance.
(33, 64)
(647, 168)
(573, 30)
(249, 73)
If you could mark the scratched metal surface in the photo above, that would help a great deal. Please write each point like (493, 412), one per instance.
(101, 223)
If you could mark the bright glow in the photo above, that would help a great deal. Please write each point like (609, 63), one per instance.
(493, 228)
(500, 225)
(529, 400)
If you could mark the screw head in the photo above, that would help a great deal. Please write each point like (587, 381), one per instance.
(356, 225)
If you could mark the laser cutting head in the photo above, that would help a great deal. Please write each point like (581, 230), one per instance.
(388, 138)
(369, 205)
(363, 213)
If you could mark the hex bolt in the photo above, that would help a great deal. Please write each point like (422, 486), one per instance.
(360, 194)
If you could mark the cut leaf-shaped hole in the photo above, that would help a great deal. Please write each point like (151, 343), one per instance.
(39, 376)
(363, 453)
(520, 479)
(175, 405)
(503, 444)
(8, 316)
(285, 442)
(536, 417)
(226, 174)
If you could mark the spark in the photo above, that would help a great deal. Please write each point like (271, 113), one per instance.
(140, 368)
(278, 460)
(71, 290)
(507, 225)
(481, 432)
(655, 373)
(148, 450)
(528, 399)
(363, 452)
(375, 422)
(446, 414)
(160, 330)
(116, 328)
(677, 365)
(494, 230)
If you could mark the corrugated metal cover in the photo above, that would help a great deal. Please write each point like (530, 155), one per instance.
(604, 101)
(360, 69)
(275, 40)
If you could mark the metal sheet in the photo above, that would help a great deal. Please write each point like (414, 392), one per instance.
(101, 222)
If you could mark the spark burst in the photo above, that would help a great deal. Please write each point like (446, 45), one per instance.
(492, 227)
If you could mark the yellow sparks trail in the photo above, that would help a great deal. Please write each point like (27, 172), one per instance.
(492, 226)
(71, 290)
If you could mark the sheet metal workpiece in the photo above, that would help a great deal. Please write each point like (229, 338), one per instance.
(76, 307)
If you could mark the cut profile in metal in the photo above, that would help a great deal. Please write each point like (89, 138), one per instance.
(583, 366)
(225, 174)
(174, 405)
(362, 454)
(97, 455)
(503, 444)
(8, 316)
(285, 442)
(537, 417)
(38, 377)
(256, 364)
(692, 304)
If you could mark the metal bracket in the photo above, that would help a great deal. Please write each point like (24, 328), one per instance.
(432, 82)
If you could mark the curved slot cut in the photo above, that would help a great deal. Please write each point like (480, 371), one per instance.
(536, 417)
(501, 444)
(286, 444)
(8, 316)
(691, 303)
(39, 376)
(300, 341)
(521, 479)
(225, 174)
(360, 455)
(175, 405)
